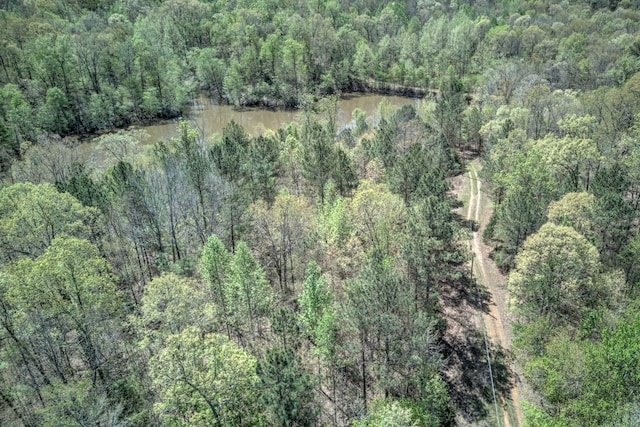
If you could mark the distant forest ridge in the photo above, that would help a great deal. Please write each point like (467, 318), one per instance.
(76, 67)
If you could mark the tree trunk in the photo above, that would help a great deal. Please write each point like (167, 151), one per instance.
(364, 370)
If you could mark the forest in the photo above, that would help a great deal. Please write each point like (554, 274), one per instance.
(301, 277)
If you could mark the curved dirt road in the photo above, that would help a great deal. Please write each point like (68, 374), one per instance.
(498, 332)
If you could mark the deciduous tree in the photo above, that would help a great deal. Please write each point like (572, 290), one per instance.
(204, 379)
(376, 215)
(32, 216)
(61, 321)
(555, 274)
(280, 233)
(249, 296)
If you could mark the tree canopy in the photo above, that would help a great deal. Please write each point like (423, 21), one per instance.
(304, 276)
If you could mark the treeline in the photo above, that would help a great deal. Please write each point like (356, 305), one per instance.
(71, 67)
(560, 139)
(286, 279)
(68, 68)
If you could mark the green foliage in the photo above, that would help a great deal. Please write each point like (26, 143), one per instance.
(334, 223)
(344, 174)
(286, 389)
(214, 265)
(229, 153)
(628, 256)
(262, 168)
(210, 70)
(360, 119)
(383, 145)
(613, 378)
(376, 215)
(429, 244)
(53, 114)
(434, 407)
(558, 374)
(15, 122)
(78, 402)
(61, 307)
(286, 326)
(84, 188)
(547, 93)
(588, 383)
(522, 211)
(571, 159)
(247, 293)
(535, 416)
(398, 336)
(280, 234)
(318, 152)
(316, 312)
(555, 274)
(32, 216)
(391, 414)
(204, 379)
(574, 210)
(613, 215)
(190, 150)
(170, 304)
(405, 176)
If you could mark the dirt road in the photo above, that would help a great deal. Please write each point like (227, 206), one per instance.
(493, 310)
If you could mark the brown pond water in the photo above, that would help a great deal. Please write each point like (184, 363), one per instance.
(212, 117)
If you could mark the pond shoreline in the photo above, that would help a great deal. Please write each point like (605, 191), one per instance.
(211, 116)
(361, 88)
(383, 88)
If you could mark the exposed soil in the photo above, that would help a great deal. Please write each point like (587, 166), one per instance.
(478, 335)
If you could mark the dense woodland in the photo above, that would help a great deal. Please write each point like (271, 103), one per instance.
(293, 278)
